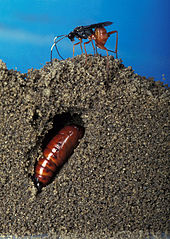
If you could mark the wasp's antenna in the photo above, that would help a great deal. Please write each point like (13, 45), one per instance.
(54, 44)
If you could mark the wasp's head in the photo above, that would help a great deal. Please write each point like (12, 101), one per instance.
(71, 36)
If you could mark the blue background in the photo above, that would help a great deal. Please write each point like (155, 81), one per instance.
(27, 30)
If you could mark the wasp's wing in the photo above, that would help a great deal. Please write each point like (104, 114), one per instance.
(101, 24)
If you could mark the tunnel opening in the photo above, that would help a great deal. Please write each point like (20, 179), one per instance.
(60, 121)
(58, 150)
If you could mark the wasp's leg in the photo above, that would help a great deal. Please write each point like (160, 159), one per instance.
(101, 46)
(110, 33)
(90, 40)
(93, 46)
(80, 42)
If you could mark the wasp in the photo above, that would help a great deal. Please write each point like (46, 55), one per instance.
(56, 154)
(95, 32)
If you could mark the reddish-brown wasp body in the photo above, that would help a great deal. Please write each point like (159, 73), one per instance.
(99, 35)
(56, 153)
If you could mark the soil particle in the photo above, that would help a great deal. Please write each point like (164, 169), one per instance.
(117, 179)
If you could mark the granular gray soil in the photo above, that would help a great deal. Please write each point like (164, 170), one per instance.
(117, 180)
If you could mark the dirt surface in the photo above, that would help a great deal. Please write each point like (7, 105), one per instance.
(117, 179)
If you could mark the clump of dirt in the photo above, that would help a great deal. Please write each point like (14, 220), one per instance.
(116, 179)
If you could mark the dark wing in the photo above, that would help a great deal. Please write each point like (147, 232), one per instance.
(101, 24)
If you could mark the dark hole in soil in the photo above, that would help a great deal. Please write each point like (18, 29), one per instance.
(59, 121)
